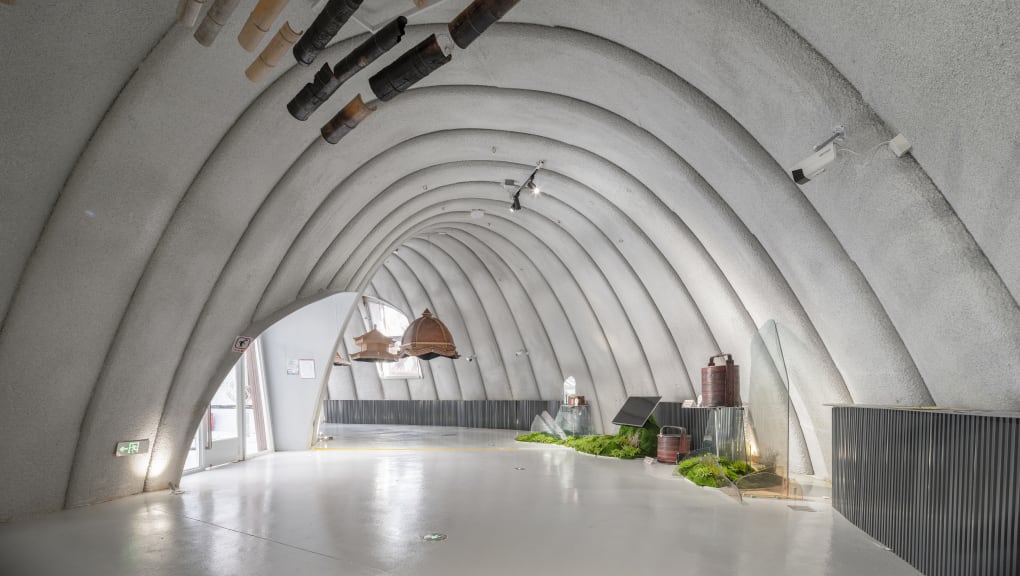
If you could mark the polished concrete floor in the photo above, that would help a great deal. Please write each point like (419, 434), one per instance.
(362, 506)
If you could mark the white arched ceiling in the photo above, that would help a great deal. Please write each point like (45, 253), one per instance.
(196, 209)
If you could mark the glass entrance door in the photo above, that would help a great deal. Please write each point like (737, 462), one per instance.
(223, 418)
(236, 423)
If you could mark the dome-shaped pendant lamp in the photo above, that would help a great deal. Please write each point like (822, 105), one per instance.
(375, 347)
(428, 338)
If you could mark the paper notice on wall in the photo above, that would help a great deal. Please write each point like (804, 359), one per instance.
(306, 369)
(292, 368)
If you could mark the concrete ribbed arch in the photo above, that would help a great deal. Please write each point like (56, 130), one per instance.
(518, 309)
(477, 380)
(541, 267)
(568, 332)
(411, 217)
(485, 301)
(175, 280)
(460, 308)
(367, 383)
(381, 247)
(368, 219)
(392, 388)
(393, 293)
(445, 372)
(603, 254)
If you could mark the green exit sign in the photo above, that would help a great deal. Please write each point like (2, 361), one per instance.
(131, 447)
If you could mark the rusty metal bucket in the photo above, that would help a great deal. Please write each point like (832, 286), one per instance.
(672, 447)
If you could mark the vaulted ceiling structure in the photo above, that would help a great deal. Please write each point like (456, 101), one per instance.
(155, 203)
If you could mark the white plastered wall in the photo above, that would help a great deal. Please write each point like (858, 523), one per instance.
(145, 227)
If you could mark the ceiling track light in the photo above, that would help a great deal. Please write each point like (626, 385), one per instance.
(410, 68)
(530, 184)
(327, 81)
(476, 19)
(324, 28)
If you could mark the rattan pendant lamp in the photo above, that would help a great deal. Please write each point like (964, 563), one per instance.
(428, 338)
(375, 347)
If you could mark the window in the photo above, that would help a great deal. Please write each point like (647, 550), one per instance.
(392, 322)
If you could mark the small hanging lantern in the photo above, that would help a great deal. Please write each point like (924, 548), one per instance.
(375, 347)
(339, 360)
(428, 338)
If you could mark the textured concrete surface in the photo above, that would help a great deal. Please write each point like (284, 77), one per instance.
(199, 210)
(364, 507)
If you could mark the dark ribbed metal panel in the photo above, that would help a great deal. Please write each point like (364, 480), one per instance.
(503, 414)
(941, 489)
(696, 420)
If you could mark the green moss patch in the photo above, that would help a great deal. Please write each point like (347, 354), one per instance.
(629, 443)
(707, 471)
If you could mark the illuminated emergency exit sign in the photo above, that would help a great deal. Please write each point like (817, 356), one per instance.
(131, 447)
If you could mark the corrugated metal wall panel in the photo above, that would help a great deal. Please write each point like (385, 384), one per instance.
(503, 414)
(696, 421)
(941, 489)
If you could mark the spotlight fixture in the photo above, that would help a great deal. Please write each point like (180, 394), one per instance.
(324, 28)
(328, 81)
(529, 184)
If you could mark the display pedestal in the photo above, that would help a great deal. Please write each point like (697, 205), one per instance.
(575, 420)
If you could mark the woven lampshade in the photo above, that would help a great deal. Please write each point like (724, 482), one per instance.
(428, 338)
(375, 347)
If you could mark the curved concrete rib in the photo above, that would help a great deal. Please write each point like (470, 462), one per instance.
(471, 375)
(497, 285)
(446, 374)
(460, 308)
(565, 330)
(486, 301)
(547, 273)
(965, 279)
(366, 377)
(417, 389)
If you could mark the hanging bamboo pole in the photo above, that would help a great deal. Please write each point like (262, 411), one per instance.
(259, 22)
(271, 54)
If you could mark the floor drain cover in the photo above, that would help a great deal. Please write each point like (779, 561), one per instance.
(434, 537)
(802, 508)
(519, 468)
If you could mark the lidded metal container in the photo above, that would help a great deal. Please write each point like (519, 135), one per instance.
(671, 448)
(720, 384)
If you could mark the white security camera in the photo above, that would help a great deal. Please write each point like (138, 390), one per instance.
(825, 153)
(811, 167)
